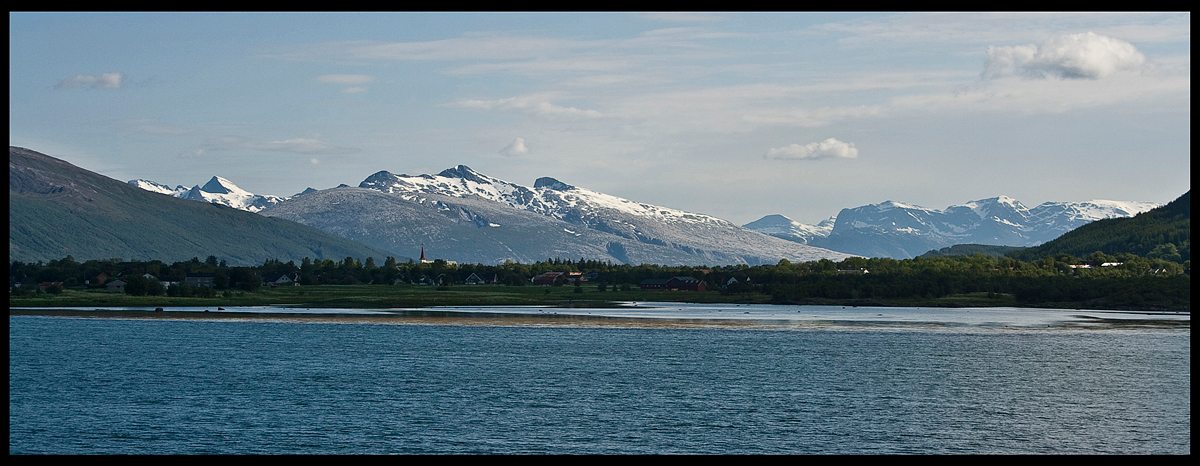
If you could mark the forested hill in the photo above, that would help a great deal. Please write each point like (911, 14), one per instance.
(1164, 232)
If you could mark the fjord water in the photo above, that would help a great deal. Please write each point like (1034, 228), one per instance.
(161, 386)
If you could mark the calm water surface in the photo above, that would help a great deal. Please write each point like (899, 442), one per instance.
(137, 386)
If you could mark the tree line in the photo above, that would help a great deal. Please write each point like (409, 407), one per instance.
(1128, 278)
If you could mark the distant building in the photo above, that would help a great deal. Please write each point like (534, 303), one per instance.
(654, 284)
(289, 279)
(548, 278)
(424, 261)
(115, 285)
(200, 279)
(674, 284)
(473, 280)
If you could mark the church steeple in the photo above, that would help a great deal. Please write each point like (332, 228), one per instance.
(422, 253)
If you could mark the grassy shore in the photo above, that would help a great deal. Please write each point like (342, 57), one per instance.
(415, 296)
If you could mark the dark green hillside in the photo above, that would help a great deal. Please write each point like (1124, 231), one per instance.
(968, 249)
(1164, 232)
(57, 209)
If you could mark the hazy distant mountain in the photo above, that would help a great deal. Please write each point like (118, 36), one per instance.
(57, 209)
(902, 231)
(782, 227)
(462, 215)
(217, 191)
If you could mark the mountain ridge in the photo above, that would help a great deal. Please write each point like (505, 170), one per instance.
(496, 220)
(57, 209)
(902, 230)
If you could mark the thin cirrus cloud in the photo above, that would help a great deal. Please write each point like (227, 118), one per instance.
(1071, 56)
(829, 148)
(354, 82)
(539, 105)
(296, 146)
(103, 81)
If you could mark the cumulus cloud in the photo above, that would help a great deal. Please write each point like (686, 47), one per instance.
(516, 148)
(1073, 56)
(829, 148)
(104, 81)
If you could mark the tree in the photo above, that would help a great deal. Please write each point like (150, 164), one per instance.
(1166, 251)
(136, 285)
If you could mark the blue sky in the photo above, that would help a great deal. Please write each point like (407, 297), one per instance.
(736, 115)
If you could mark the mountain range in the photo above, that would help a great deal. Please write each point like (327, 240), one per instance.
(463, 215)
(57, 209)
(555, 219)
(902, 231)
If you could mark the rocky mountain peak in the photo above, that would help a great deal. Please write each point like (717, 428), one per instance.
(551, 183)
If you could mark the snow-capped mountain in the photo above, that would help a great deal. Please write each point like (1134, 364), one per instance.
(782, 227)
(549, 197)
(464, 215)
(217, 191)
(159, 187)
(899, 230)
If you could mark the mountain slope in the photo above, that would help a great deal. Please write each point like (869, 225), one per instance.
(1164, 232)
(468, 216)
(57, 209)
(899, 230)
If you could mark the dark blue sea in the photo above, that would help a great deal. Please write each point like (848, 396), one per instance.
(166, 386)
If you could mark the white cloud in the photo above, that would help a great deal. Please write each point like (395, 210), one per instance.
(1074, 56)
(104, 81)
(516, 148)
(829, 148)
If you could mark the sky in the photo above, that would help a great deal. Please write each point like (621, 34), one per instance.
(736, 115)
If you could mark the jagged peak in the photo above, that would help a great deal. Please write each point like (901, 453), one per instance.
(464, 172)
(551, 183)
(218, 185)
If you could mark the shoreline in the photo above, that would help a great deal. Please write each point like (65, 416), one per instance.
(551, 318)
